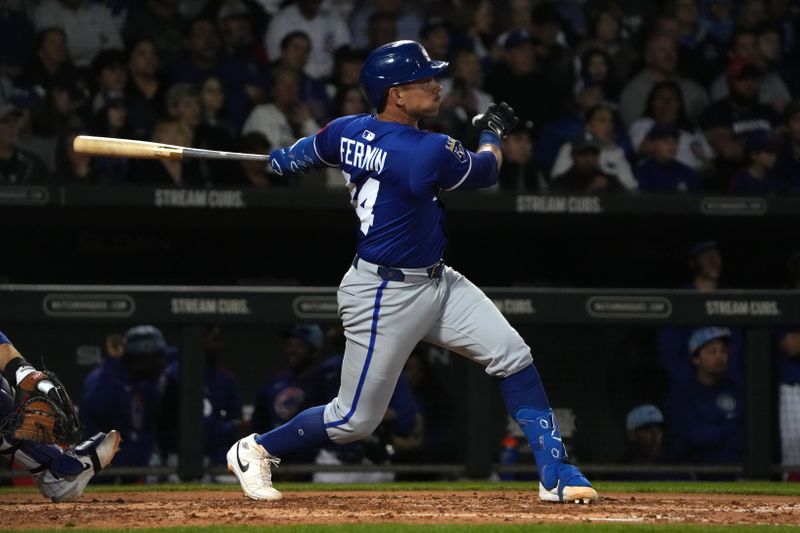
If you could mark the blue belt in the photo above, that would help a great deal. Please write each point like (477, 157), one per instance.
(400, 274)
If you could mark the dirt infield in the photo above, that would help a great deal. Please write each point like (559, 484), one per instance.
(151, 509)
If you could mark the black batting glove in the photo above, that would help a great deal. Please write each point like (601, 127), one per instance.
(499, 118)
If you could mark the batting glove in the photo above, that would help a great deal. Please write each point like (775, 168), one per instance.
(283, 161)
(499, 118)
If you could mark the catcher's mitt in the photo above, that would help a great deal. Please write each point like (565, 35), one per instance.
(44, 412)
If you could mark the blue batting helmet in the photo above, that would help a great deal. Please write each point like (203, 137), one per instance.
(144, 340)
(395, 64)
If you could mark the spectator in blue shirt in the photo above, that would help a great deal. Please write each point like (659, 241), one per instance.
(760, 176)
(662, 172)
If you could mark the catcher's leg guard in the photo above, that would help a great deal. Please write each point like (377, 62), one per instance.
(36, 458)
(93, 455)
(558, 480)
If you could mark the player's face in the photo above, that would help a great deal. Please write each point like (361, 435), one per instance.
(421, 98)
(712, 359)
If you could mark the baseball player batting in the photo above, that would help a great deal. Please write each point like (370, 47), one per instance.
(398, 291)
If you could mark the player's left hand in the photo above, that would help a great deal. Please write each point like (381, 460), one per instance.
(499, 118)
(283, 162)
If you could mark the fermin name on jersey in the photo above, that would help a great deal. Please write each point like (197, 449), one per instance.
(362, 155)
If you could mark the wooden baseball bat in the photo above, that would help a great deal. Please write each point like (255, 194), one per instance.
(113, 147)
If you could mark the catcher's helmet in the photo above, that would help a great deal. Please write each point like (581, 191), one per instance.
(395, 64)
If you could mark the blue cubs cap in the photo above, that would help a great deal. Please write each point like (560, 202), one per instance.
(517, 38)
(394, 64)
(584, 142)
(702, 336)
(643, 415)
(760, 141)
(702, 247)
(144, 340)
(311, 334)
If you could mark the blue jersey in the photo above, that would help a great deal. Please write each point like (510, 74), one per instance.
(395, 173)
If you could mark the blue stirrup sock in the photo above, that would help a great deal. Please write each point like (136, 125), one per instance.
(526, 401)
(304, 431)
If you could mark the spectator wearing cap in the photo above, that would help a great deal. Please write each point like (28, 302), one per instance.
(760, 177)
(589, 93)
(294, 388)
(786, 355)
(408, 21)
(204, 57)
(435, 37)
(706, 413)
(746, 54)
(89, 26)
(704, 261)
(788, 165)
(661, 62)
(661, 172)
(599, 121)
(462, 97)
(665, 106)
(644, 426)
(517, 80)
(237, 29)
(728, 120)
(585, 175)
(328, 31)
(519, 172)
(17, 167)
(122, 393)
(162, 23)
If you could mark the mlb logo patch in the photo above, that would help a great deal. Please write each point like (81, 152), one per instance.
(457, 148)
(368, 135)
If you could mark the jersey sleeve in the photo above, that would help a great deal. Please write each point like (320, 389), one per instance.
(327, 140)
(443, 162)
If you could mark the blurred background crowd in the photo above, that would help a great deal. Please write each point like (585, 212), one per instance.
(613, 95)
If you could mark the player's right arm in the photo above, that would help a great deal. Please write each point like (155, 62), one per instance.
(316, 151)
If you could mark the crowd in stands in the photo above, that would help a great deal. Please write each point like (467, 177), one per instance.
(613, 95)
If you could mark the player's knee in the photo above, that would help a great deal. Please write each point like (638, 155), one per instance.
(357, 428)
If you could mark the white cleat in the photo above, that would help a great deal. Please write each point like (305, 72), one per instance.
(570, 494)
(252, 465)
(95, 454)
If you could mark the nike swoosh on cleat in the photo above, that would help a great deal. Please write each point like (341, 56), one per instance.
(242, 467)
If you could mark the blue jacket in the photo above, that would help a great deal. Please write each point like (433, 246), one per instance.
(112, 399)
